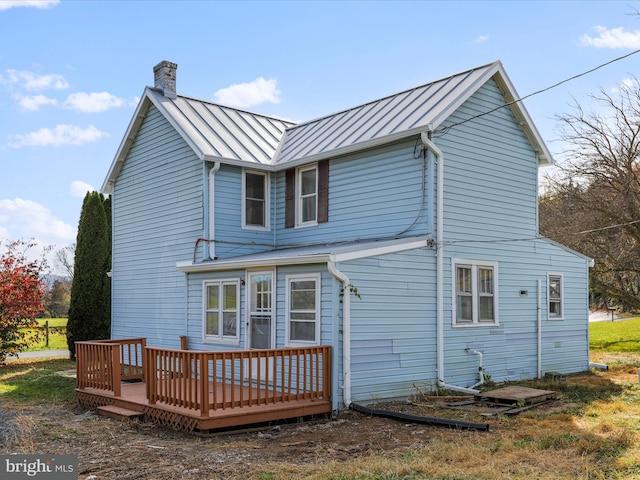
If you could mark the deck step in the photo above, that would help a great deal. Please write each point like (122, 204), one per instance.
(119, 413)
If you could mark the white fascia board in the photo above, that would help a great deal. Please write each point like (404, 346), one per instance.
(220, 265)
(353, 253)
(126, 142)
(391, 247)
(239, 163)
(353, 148)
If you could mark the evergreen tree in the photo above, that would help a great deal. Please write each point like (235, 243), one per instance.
(89, 311)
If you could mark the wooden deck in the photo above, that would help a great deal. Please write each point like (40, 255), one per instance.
(203, 391)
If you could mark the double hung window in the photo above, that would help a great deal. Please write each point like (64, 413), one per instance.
(255, 213)
(303, 309)
(221, 313)
(475, 293)
(307, 195)
(555, 296)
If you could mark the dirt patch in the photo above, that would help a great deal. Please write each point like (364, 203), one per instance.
(110, 449)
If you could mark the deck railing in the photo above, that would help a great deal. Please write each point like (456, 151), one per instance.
(207, 381)
(104, 364)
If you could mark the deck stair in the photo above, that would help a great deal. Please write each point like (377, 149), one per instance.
(119, 413)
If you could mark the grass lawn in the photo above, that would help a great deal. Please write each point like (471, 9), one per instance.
(620, 336)
(591, 433)
(37, 382)
(57, 336)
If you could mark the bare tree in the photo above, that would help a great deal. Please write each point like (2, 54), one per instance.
(65, 258)
(594, 205)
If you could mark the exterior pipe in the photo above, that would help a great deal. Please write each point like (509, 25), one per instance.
(212, 220)
(346, 331)
(426, 141)
(480, 370)
(434, 421)
(539, 329)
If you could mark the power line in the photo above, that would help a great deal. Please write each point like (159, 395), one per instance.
(605, 228)
(444, 130)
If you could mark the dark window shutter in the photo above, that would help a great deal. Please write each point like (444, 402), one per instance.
(290, 198)
(323, 191)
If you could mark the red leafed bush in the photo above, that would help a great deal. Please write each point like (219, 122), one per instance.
(22, 296)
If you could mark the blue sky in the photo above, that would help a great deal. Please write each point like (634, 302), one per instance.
(71, 72)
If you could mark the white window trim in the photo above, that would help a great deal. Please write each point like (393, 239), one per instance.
(220, 339)
(474, 264)
(298, 190)
(309, 276)
(549, 315)
(267, 200)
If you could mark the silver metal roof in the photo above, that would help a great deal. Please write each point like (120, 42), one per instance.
(215, 131)
(401, 114)
(219, 133)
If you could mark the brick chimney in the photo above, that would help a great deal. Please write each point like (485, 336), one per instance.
(164, 76)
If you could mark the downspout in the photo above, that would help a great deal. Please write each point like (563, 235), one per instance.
(539, 329)
(346, 330)
(212, 210)
(426, 141)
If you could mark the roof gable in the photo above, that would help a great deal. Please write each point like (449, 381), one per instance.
(213, 132)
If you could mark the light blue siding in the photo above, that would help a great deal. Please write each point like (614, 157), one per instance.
(233, 240)
(161, 207)
(372, 194)
(392, 324)
(157, 216)
(491, 173)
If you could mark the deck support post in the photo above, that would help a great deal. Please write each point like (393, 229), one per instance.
(203, 360)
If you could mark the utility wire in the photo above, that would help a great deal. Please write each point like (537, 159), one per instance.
(444, 130)
(605, 228)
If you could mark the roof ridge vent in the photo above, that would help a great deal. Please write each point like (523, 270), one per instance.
(164, 77)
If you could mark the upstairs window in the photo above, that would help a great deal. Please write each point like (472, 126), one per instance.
(555, 296)
(255, 187)
(475, 293)
(221, 314)
(307, 195)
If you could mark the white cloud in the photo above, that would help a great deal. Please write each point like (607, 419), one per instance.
(481, 38)
(34, 103)
(60, 135)
(32, 81)
(79, 188)
(249, 94)
(25, 219)
(7, 4)
(92, 102)
(611, 38)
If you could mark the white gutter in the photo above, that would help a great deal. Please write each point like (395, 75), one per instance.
(212, 210)
(346, 330)
(424, 136)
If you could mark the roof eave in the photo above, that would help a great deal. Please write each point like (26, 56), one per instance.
(126, 142)
(221, 265)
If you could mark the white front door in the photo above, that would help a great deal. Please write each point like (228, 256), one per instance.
(261, 319)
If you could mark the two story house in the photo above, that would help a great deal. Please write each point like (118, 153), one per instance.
(402, 232)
